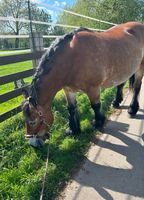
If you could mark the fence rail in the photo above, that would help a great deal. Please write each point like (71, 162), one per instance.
(5, 60)
(12, 94)
(14, 77)
(10, 113)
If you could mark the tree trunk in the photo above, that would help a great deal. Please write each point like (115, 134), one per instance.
(17, 43)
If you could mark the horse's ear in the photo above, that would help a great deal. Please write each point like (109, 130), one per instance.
(25, 93)
(33, 102)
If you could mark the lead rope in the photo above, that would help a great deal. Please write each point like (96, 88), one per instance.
(45, 174)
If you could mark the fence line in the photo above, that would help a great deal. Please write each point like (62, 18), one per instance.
(13, 36)
(14, 77)
(26, 36)
(43, 23)
(76, 14)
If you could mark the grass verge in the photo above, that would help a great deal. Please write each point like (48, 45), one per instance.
(22, 167)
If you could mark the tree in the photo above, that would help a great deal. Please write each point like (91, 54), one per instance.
(41, 15)
(15, 9)
(116, 11)
(19, 9)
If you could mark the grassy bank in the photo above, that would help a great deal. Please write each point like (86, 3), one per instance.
(22, 167)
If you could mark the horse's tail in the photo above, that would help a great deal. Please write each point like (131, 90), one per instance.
(131, 82)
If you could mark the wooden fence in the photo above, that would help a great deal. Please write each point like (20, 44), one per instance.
(14, 77)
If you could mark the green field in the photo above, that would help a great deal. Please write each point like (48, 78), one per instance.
(11, 69)
(22, 167)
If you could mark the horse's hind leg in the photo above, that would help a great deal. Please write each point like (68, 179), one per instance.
(134, 105)
(94, 96)
(74, 122)
(119, 96)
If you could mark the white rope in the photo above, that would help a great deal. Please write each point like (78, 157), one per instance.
(26, 36)
(13, 36)
(76, 14)
(45, 174)
(44, 23)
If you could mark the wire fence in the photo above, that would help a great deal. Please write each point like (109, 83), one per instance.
(51, 23)
(43, 23)
(76, 14)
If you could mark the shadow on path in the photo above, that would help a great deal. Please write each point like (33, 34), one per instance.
(101, 177)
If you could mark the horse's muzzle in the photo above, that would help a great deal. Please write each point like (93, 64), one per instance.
(37, 141)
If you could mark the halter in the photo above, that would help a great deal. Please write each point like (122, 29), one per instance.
(42, 121)
(39, 112)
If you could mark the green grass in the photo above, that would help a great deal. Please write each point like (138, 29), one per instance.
(11, 69)
(16, 67)
(22, 167)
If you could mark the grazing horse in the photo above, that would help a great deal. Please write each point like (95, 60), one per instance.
(87, 61)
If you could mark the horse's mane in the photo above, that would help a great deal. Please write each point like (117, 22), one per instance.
(44, 66)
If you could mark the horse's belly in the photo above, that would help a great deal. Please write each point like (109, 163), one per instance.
(111, 83)
(121, 73)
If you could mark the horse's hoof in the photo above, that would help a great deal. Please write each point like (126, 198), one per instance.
(99, 123)
(132, 111)
(115, 104)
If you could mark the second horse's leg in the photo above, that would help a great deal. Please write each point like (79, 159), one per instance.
(134, 105)
(119, 96)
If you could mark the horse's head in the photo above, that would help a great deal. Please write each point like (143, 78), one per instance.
(36, 121)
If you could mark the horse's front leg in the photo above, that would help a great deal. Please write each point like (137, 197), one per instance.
(119, 96)
(94, 96)
(74, 122)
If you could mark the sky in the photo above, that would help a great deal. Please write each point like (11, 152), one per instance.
(58, 3)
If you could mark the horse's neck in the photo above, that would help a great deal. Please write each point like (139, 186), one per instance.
(47, 90)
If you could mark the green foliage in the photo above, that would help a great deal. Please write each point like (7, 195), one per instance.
(116, 11)
(22, 167)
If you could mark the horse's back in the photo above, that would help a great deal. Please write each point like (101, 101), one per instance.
(110, 57)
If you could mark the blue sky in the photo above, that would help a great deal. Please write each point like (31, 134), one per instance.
(58, 3)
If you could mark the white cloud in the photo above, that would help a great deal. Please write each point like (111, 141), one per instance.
(51, 12)
(64, 3)
(56, 3)
(60, 4)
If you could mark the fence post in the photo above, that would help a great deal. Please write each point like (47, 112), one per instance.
(38, 45)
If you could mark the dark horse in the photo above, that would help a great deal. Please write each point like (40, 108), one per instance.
(88, 61)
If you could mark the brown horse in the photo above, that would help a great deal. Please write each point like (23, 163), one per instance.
(87, 61)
